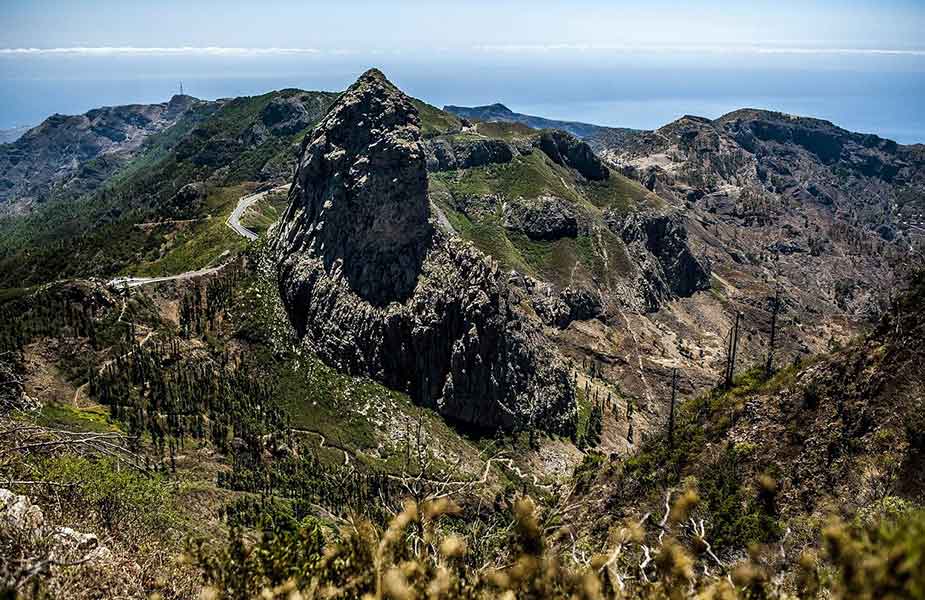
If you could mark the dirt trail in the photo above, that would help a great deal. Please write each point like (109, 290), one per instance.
(508, 462)
(322, 442)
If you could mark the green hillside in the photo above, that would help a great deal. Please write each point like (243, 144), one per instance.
(594, 254)
(218, 146)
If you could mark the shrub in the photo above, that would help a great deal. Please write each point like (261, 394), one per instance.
(117, 496)
(736, 521)
(279, 551)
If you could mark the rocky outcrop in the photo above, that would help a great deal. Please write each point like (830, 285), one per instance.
(373, 286)
(543, 218)
(449, 155)
(41, 548)
(561, 308)
(567, 150)
(664, 260)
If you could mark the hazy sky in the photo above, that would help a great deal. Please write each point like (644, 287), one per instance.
(409, 25)
(636, 63)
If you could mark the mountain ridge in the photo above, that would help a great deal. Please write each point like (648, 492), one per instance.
(49, 154)
(477, 322)
(596, 135)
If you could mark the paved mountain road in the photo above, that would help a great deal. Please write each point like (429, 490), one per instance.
(130, 282)
(233, 221)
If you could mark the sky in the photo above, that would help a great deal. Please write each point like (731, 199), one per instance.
(635, 64)
(416, 25)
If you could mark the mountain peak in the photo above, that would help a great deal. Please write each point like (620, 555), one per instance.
(370, 284)
(373, 75)
(363, 187)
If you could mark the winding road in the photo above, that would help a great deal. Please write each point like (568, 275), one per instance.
(233, 221)
(130, 282)
(245, 202)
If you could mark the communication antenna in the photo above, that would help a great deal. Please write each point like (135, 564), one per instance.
(181, 88)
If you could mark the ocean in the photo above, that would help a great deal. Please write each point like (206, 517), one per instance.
(887, 99)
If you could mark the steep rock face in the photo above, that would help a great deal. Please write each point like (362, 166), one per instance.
(568, 151)
(448, 156)
(660, 248)
(374, 287)
(543, 218)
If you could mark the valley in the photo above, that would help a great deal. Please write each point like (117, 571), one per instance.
(311, 340)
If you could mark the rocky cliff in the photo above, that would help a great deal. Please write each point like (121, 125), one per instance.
(373, 286)
(659, 246)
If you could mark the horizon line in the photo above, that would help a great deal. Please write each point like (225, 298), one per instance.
(223, 51)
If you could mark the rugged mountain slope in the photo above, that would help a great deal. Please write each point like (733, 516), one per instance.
(49, 155)
(180, 176)
(376, 288)
(542, 203)
(817, 204)
(502, 276)
(628, 282)
(597, 136)
(615, 272)
(771, 458)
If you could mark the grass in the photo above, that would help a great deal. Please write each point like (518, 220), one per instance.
(564, 261)
(617, 193)
(584, 413)
(555, 260)
(527, 177)
(591, 257)
(503, 130)
(7, 294)
(434, 121)
(71, 418)
(322, 399)
(260, 217)
(202, 243)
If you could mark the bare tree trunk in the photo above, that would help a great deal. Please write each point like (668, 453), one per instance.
(732, 350)
(769, 367)
(674, 393)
